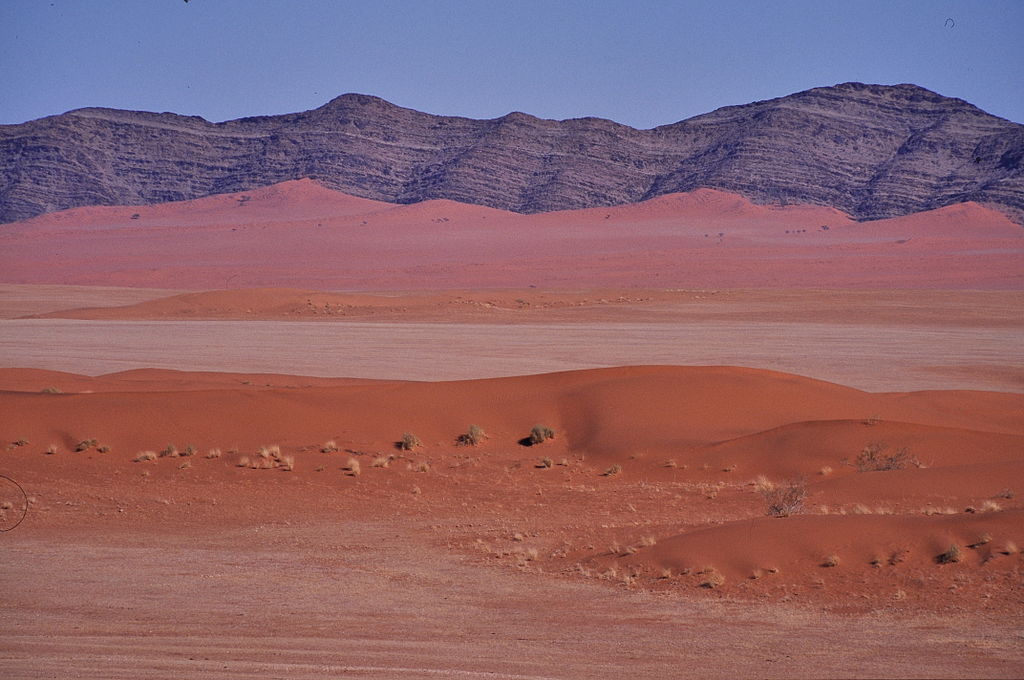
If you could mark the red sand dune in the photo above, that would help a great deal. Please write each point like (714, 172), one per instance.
(298, 234)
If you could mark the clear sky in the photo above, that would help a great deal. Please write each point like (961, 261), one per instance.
(638, 62)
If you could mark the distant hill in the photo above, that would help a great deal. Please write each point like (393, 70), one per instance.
(872, 151)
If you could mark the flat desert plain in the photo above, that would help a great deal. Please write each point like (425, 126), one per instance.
(213, 481)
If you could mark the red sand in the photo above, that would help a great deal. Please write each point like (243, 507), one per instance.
(490, 511)
(298, 234)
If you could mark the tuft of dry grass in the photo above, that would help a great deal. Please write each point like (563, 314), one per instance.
(710, 577)
(825, 471)
(287, 463)
(671, 463)
(545, 463)
(983, 539)
(540, 434)
(52, 390)
(950, 556)
(408, 442)
(831, 561)
(381, 461)
(188, 451)
(144, 455)
(213, 453)
(421, 467)
(763, 485)
(473, 436)
(103, 449)
(51, 449)
(353, 467)
(990, 506)
(898, 556)
(612, 471)
(329, 447)
(185, 465)
(169, 451)
(85, 445)
(244, 461)
(648, 541)
(1009, 548)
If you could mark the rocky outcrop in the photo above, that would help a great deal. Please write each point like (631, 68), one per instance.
(870, 150)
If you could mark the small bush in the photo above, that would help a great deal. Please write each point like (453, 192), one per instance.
(951, 555)
(169, 451)
(85, 445)
(540, 434)
(189, 451)
(353, 467)
(545, 463)
(875, 459)
(831, 561)
(612, 471)
(103, 449)
(784, 499)
(381, 461)
(329, 447)
(408, 442)
(144, 455)
(474, 436)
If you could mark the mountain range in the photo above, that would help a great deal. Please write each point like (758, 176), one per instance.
(872, 151)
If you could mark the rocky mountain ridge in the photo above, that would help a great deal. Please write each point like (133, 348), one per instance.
(872, 151)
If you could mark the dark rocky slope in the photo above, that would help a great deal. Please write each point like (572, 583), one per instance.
(870, 150)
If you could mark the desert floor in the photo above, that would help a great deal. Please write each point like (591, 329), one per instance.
(486, 561)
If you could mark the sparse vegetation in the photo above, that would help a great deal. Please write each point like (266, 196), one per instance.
(545, 463)
(408, 442)
(540, 434)
(85, 445)
(244, 462)
(213, 453)
(103, 449)
(873, 458)
(710, 577)
(52, 390)
(352, 467)
(612, 471)
(831, 561)
(983, 539)
(473, 436)
(329, 447)
(169, 451)
(51, 449)
(144, 456)
(951, 555)
(20, 442)
(990, 506)
(189, 451)
(381, 461)
(287, 463)
(784, 499)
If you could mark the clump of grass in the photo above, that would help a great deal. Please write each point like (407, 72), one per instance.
(540, 434)
(545, 463)
(144, 456)
(20, 442)
(1005, 493)
(244, 462)
(188, 451)
(671, 463)
(983, 539)
(612, 471)
(52, 390)
(990, 506)
(648, 541)
(353, 467)
(473, 436)
(213, 453)
(185, 465)
(898, 556)
(287, 463)
(825, 471)
(103, 449)
(381, 461)
(951, 555)
(422, 467)
(831, 561)
(329, 447)
(873, 458)
(85, 445)
(784, 499)
(51, 449)
(408, 442)
(169, 451)
(710, 577)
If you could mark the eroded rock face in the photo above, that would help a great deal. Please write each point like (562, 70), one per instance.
(871, 150)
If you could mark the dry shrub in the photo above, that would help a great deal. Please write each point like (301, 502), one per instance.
(213, 453)
(329, 447)
(422, 467)
(873, 458)
(951, 555)
(288, 463)
(545, 463)
(408, 442)
(381, 461)
(710, 577)
(190, 450)
(51, 449)
(103, 449)
(473, 436)
(85, 445)
(990, 506)
(52, 390)
(244, 462)
(184, 466)
(540, 434)
(144, 455)
(831, 561)
(825, 471)
(612, 471)
(353, 467)
(671, 463)
(169, 451)
(785, 499)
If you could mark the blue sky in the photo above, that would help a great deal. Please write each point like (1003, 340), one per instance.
(638, 62)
